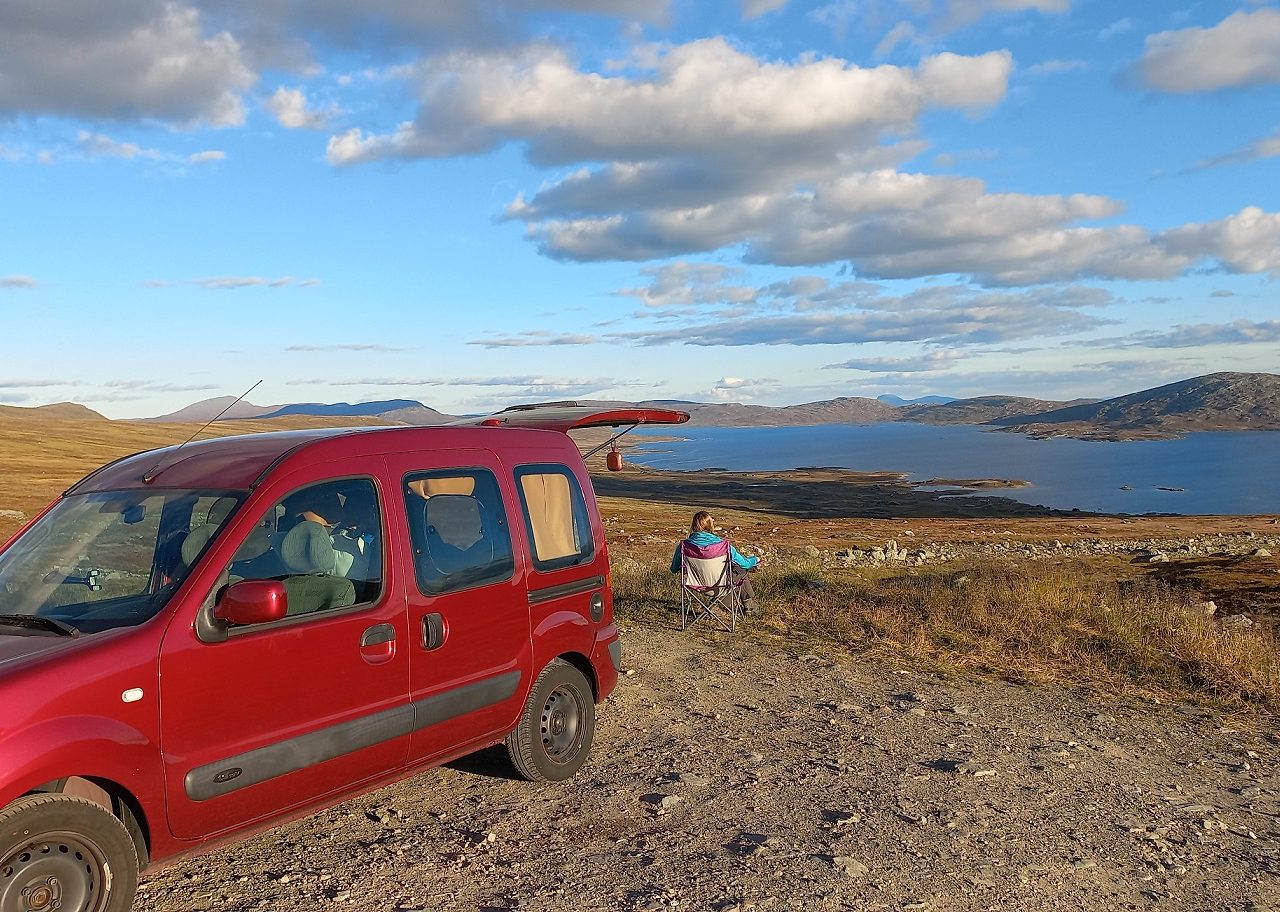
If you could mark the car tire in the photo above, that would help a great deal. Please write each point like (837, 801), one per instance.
(553, 737)
(66, 853)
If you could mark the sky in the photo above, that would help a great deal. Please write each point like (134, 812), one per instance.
(768, 201)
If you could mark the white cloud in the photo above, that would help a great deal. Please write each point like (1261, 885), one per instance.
(291, 108)
(1119, 27)
(1243, 49)
(98, 145)
(682, 285)
(739, 389)
(1053, 67)
(902, 33)
(535, 338)
(963, 12)
(18, 281)
(1266, 147)
(154, 386)
(222, 283)
(126, 60)
(913, 364)
(1239, 332)
(1247, 242)
(345, 346)
(34, 384)
(704, 99)
(753, 9)
(714, 309)
(206, 157)
(856, 313)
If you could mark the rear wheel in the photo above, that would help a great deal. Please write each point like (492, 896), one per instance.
(60, 852)
(553, 737)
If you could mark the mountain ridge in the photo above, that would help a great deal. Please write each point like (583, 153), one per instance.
(1224, 400)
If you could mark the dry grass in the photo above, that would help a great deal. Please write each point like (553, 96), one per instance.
(41, 456)
(1029, 624)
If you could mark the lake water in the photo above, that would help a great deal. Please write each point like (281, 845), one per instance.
(1218, 472)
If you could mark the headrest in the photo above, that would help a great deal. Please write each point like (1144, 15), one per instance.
(255, 545)
(195, 541)
(220, 510)
(307, 548)
(456, 518)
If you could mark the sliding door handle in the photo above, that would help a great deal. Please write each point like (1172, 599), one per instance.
(433, 631)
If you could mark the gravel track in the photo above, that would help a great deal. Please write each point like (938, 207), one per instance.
(729, 774)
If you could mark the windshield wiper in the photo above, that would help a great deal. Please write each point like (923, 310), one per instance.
(31, 622)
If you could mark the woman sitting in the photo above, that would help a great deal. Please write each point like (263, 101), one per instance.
(702, 535)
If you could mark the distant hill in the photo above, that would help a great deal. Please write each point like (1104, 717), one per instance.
(417, 414)
(978, 410)
(207, 409)
(346, 409)
(1226, 401)
(845, 410)
(66, 411)
(890, 399)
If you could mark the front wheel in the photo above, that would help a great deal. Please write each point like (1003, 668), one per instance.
(553, 737)
(60, 852)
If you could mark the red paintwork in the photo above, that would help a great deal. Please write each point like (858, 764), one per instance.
(61, 707)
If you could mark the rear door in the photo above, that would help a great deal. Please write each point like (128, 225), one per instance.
(468, 613)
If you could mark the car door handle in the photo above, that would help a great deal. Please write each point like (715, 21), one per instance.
(377, 635)
(378, 644)
(433, 631)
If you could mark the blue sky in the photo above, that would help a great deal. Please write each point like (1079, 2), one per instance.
(476, 204)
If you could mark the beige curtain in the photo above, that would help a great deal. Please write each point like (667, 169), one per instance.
(427, 487)
(548, 498)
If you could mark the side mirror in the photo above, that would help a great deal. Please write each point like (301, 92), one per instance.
(252, 602)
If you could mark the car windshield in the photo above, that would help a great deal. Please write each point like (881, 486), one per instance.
(109, 559)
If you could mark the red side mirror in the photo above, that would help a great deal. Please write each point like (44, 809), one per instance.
(613, 461)
(252, 602)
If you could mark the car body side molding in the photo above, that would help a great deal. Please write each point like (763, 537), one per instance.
(261, 764)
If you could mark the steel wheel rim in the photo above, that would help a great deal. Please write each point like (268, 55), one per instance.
(60, 871)
(562, 724)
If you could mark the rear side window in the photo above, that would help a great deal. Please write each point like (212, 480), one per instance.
(458, 528)
(555, 514)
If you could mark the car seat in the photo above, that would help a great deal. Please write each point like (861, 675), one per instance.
(307, 555)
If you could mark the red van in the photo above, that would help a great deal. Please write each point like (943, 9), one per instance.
(200, 641)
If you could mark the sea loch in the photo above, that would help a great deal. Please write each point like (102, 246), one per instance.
(1212, 473)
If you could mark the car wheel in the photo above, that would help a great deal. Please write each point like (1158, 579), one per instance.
(64, 853)
(553, 737)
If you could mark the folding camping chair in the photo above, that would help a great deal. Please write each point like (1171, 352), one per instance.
(707, 586)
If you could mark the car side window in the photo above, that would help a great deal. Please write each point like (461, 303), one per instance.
(323, 541)
(458, 528)
(555, 515)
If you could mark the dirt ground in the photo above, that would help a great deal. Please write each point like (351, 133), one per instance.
(729, 774)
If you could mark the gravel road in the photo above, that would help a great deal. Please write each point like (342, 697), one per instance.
(730, 775)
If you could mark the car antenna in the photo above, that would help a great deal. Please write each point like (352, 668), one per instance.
(151, 473)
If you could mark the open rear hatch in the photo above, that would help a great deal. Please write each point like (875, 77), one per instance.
(568, 416)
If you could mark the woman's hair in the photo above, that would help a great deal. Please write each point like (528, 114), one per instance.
(701, 522)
